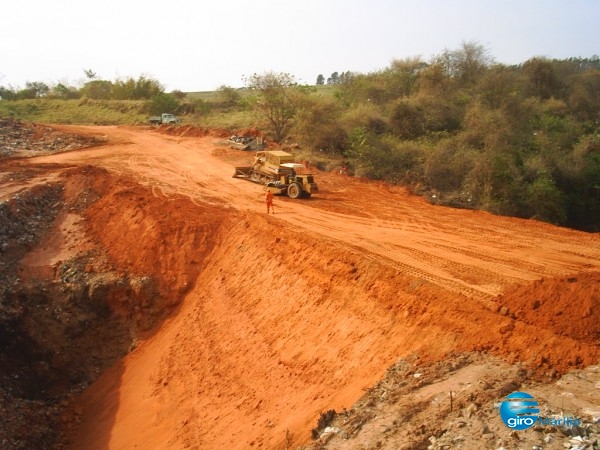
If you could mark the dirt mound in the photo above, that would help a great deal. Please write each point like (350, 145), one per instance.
(568, 305)
(183, 130)
(191, 131)
(196, 131)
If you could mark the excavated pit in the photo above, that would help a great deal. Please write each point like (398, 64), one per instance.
(69, 307)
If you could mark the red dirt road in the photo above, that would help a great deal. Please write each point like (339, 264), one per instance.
(470, 252)
(291, 314)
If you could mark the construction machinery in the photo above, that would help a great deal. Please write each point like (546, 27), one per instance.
(246, 142)
(277, 172)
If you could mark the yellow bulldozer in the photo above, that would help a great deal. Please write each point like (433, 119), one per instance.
(277, 172)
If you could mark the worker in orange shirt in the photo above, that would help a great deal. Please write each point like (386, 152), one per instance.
(269, 200)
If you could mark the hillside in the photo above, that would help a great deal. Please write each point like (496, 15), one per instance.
(151, 303)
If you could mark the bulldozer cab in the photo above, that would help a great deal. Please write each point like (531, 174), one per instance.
(271, 161)
(276, 157)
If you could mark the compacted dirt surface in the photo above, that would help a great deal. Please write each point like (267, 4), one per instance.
(149, 302)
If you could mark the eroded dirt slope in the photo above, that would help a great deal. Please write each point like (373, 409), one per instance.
(289, 315)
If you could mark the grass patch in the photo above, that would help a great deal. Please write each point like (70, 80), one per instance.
(230, 120)
(85, 111)
(81, 111)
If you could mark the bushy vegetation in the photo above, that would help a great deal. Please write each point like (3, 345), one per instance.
(520, 140)
(128, 97)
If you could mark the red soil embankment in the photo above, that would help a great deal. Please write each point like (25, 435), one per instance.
(279, 327)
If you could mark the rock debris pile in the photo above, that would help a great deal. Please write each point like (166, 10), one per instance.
(455, 404)
(17, 137)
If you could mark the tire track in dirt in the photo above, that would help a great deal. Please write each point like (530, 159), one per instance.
(479, 271)
(408, 260)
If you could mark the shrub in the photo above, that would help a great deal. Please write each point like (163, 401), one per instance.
(163, 103)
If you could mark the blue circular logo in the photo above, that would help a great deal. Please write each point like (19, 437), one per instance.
(519, 411)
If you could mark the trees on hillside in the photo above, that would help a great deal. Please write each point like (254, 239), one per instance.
(229, 96)
(518, 140)
(339, 78)
(98, 89)
(275, 100)
(163, 102)
(465, 64)
(142, 88)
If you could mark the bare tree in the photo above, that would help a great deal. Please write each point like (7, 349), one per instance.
(465, 64)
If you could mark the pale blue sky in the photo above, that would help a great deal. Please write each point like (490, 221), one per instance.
(197, 45)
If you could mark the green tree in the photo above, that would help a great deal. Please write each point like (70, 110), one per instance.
(372, 88)
(543, 82)
(545, 201)
(179, 94)
(408, 120)
(7, 93)
(275, 100)
(90, 74)
(403, 76)
(200, 107)
(383, 157)
(33, 89)
(447, 165)
(470, 61)
(465, 64)
(163, 103)
(146, 88)
(584, 95)
(228, 96)
(98, 89)
(495, 182)
(320, 80)
(317, 122)
(141, 89)
(579, 180)
(64, 92)
(499, 86)
(435, 79)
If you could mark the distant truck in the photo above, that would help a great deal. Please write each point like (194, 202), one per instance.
(164, 118)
